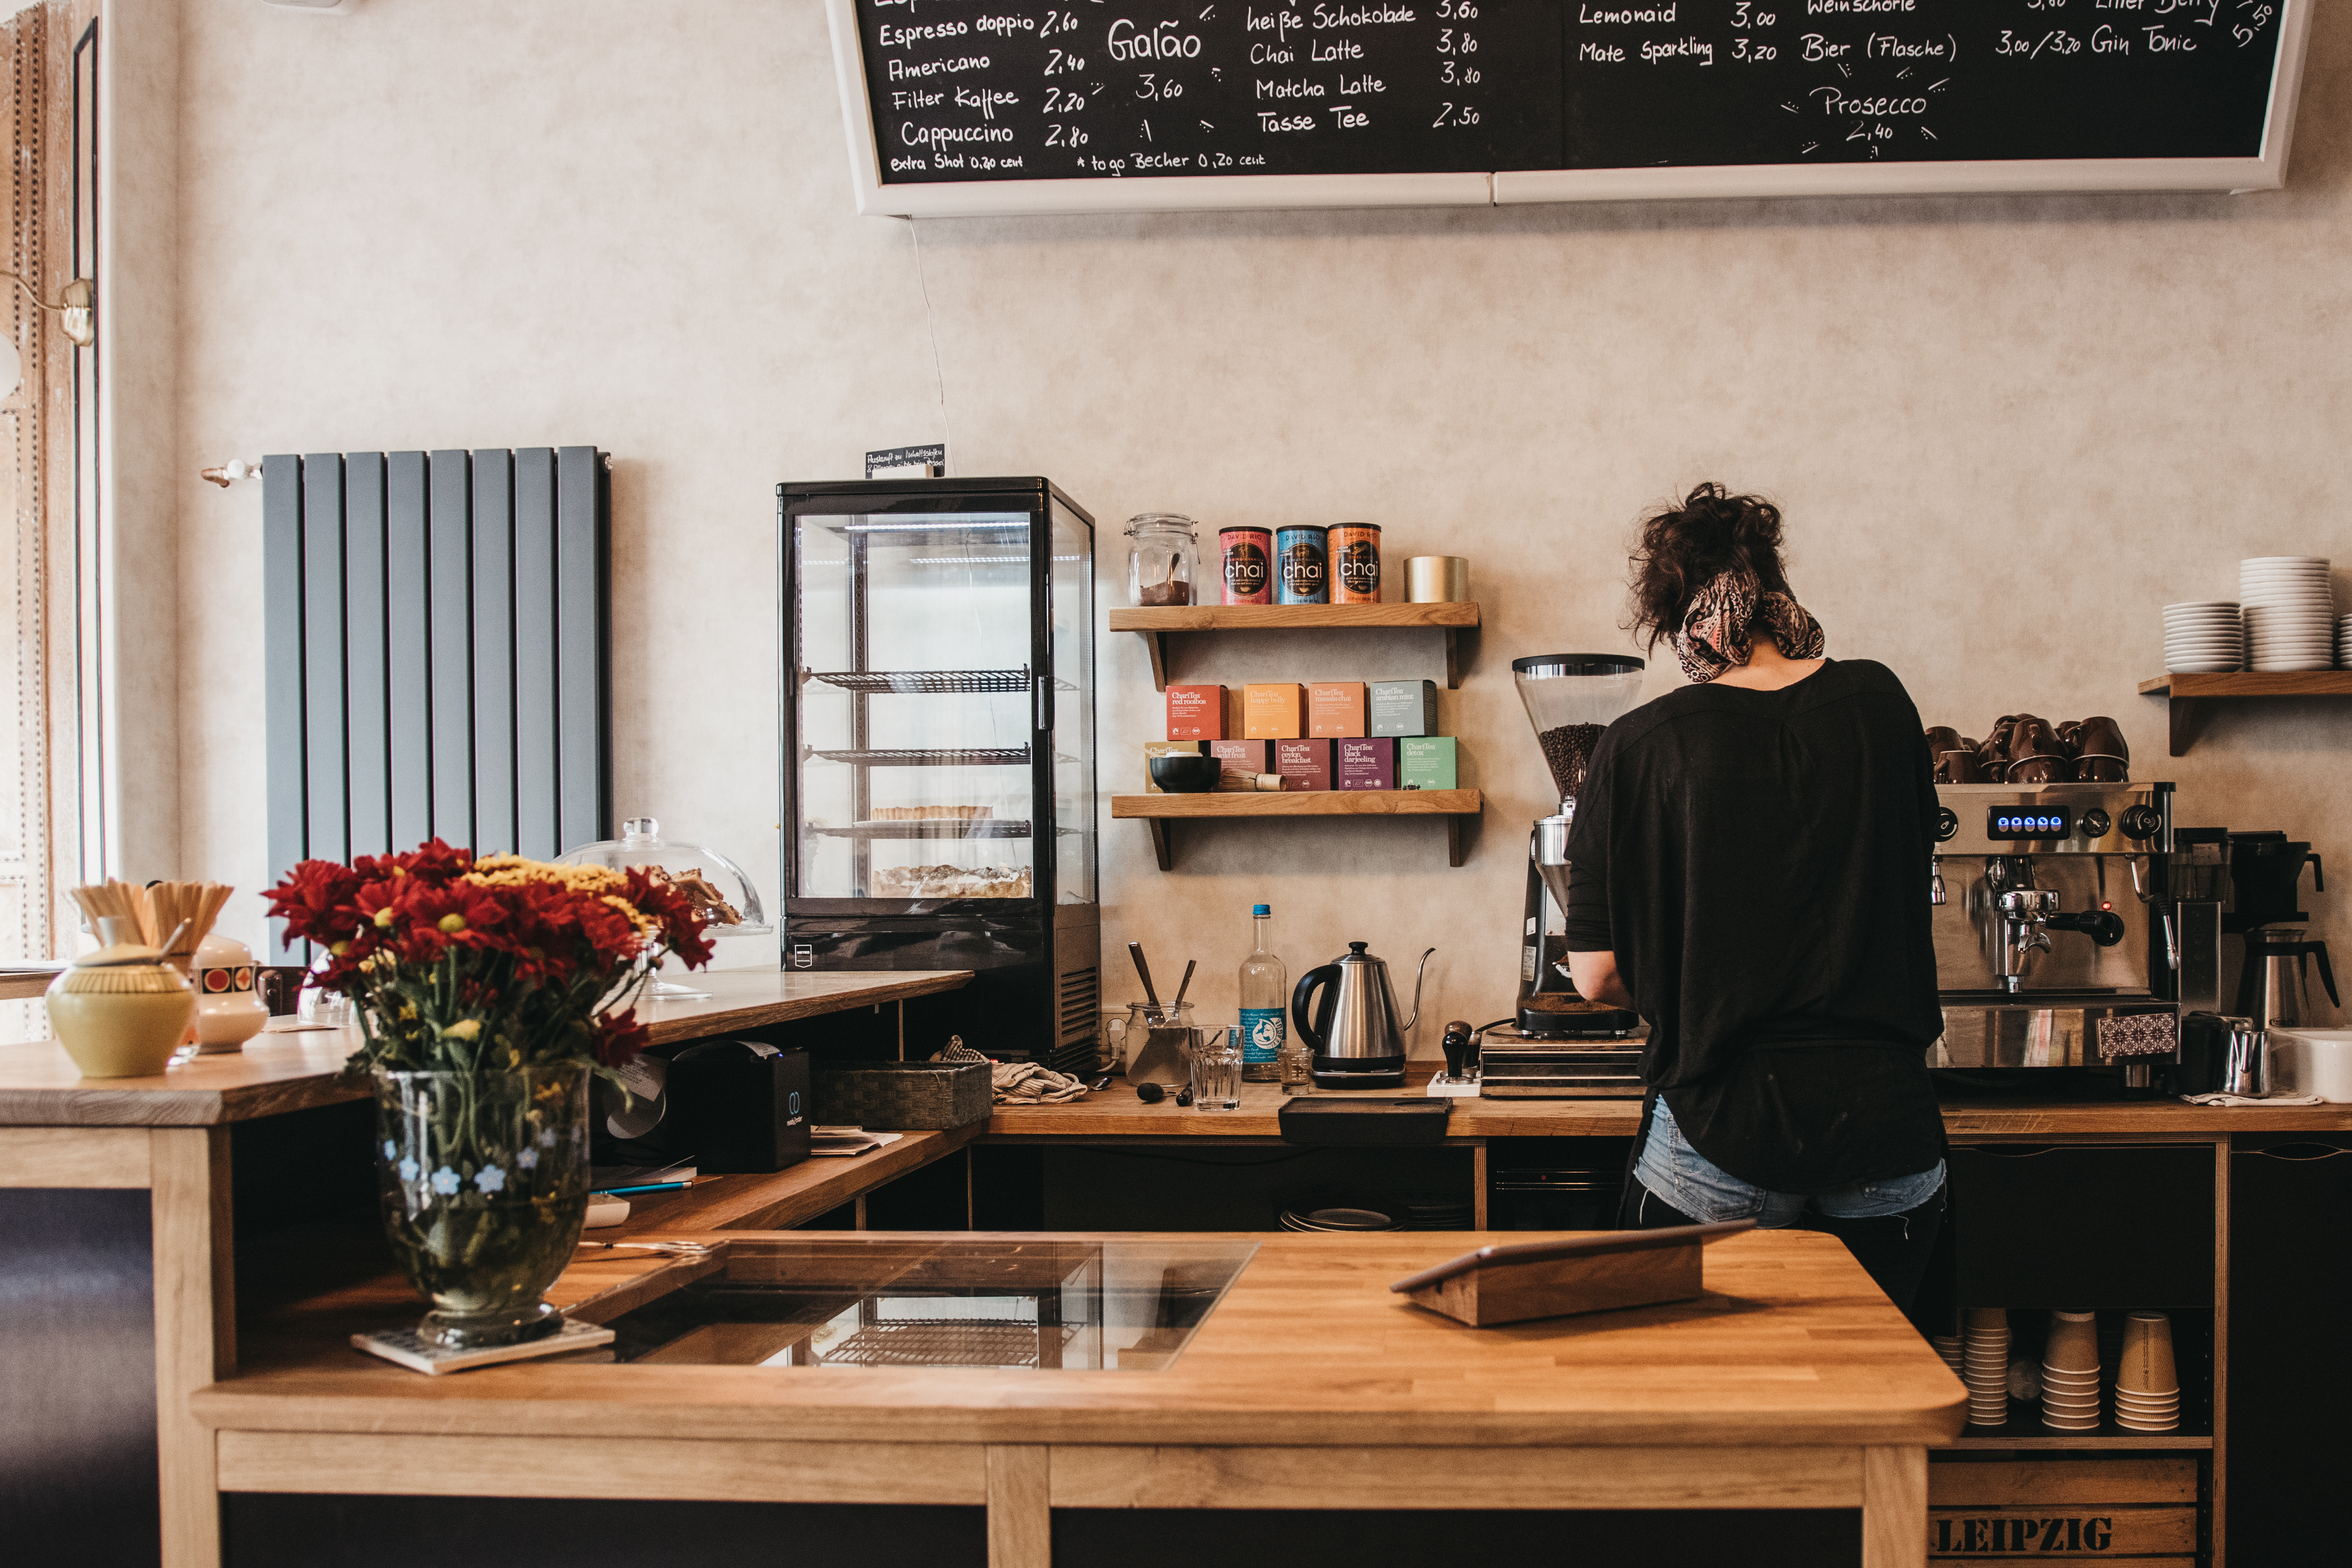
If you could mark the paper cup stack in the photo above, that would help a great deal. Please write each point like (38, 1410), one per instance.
(1984, 1364)
(2070, 1374)
(2147, 1386)
(2290, 612)
(2204, 636)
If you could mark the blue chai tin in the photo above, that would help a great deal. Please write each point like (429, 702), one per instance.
(1301, 566)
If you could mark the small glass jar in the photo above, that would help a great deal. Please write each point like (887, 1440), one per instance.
(1164, 560)
(1298, 1067)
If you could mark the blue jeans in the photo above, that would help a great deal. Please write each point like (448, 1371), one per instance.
(1700, 1188)
(1890, 1226)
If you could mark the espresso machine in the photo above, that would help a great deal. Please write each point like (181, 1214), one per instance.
(1558, 1044)
(2073, 929)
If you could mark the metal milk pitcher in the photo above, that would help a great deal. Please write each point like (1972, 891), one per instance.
(1352, 1026)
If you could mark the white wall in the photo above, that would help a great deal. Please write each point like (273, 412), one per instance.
(2004, 430)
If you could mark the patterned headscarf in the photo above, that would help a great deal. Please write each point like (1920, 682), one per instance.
(1719, 629)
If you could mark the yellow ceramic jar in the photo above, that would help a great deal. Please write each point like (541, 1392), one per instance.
(121, 1020)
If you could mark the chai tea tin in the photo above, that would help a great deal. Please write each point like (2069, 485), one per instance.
(1248, 558)
(1355, 564)
(1299, 574)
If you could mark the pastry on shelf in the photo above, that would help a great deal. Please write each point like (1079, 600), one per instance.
(952, 882)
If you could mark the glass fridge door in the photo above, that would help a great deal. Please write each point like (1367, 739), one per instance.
(914, 718)
(1070, 599)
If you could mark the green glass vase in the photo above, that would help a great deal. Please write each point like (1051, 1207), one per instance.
(484, 1181)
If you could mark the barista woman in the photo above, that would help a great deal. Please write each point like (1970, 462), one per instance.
(1749, 873)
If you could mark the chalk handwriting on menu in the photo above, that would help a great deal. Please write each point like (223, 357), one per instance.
(1690, 82)
(968, 90)
(1011, 90)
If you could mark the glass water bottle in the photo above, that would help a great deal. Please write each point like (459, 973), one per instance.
(1265, 1003)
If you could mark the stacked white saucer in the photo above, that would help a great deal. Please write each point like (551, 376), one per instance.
(2204, 636)
(2070, 1374)
(2290, 612)
(1984, 1364)
(2344, 643)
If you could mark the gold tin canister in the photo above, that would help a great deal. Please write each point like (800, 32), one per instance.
(1437, 580)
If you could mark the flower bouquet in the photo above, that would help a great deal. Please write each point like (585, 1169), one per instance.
(487, 992)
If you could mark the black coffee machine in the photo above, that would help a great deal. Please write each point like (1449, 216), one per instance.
(2265, 877)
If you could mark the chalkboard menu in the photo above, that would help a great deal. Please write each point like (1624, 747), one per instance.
(977, 92)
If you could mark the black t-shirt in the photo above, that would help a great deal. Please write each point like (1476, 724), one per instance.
(1759, 863)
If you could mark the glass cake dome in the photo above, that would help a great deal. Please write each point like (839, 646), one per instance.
(717, 886)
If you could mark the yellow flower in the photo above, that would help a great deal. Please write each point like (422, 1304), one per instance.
(465, 1030)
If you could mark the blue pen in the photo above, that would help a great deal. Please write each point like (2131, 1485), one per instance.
(654, 1187)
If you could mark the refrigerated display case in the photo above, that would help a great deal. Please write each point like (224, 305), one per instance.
(939, 755)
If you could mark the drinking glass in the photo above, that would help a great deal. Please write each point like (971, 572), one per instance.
(1149, 1044)
(1217, 1068)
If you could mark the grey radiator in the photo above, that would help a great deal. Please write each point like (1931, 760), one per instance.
(438, 663)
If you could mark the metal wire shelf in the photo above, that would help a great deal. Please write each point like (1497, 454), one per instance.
(945, 1342)
(981, 828)
(924, 681)
(951, 757)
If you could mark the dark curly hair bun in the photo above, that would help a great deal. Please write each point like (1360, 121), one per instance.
(1685, 548)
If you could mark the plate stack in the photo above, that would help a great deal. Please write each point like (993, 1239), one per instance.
(2147, 1385)
(2070, 1374)
(2290, 612)
(1948, 1347)
(1984, 1364)
(2204, 636)
(2344, 643)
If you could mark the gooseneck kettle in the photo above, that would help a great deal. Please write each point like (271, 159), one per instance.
(1351, 1027)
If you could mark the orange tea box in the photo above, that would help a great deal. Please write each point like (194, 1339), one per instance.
(1275, 711)
(1335, 708)
(1196, 713)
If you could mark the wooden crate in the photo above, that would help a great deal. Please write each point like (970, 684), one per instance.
(2064, 1511)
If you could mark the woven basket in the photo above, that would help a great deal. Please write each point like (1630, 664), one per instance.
(903, 1097)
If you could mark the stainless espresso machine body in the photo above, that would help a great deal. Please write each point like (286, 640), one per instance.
(2059, 906)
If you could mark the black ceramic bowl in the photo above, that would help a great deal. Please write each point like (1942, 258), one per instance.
(1186, 772)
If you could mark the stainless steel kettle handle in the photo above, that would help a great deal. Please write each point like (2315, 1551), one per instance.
(1329, 974)
(1422, 974)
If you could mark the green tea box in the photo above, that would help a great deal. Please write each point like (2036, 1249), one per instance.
(1403, 707)
(1426, 761)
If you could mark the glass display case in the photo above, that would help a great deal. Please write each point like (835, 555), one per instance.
(938, 772)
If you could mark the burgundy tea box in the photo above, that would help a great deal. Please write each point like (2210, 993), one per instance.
(1304, 763)
(1366, 764)
(1335, 708)
(1244, 756)
(1196, 712)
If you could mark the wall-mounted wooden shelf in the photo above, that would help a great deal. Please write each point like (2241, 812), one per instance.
(1155, 625)
(1160, 813)
(2193, 695)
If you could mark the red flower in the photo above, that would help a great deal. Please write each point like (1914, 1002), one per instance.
(620, 1039)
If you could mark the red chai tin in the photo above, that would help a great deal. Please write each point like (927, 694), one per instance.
(1248, 555)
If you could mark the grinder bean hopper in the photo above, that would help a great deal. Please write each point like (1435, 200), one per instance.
(1570, 698)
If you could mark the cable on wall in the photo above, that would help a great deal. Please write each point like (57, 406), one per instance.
(930, 325)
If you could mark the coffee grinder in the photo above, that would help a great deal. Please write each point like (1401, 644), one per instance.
(1559, 1044)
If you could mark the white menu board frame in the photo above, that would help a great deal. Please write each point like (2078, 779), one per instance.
(1007, 198)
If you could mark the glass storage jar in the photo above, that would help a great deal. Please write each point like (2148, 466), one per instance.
(1164, 559)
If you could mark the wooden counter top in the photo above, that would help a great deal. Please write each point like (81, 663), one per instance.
(39, 1086)
(1117, 1113)
(1791, 1345)
(782, 1199)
